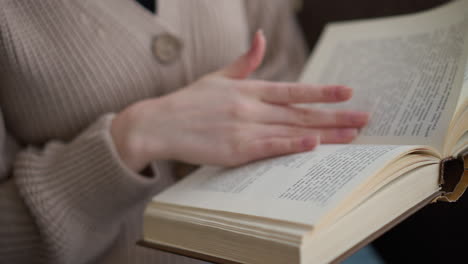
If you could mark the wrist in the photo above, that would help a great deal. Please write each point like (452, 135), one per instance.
(136, 147)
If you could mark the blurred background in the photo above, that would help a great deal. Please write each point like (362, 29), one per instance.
(313, 15)
(439, 232)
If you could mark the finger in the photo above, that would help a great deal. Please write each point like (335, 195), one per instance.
(250, 61)
(289, 93)
(327, 136)
(311, 117)
(338, 136)
(271, 147)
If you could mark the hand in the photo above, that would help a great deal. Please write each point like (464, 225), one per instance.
(224, 119)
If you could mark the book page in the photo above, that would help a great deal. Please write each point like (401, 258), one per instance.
(407, 71)
(298, 188)
(464, 92)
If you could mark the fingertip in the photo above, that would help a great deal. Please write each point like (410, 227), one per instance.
(366, 117)
(348, 134)
(260, 34)
(258, 45)
(359, 118)
(249, 61)
(310, 142)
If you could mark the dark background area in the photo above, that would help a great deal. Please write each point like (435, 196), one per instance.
(439, 232)
(315, 14)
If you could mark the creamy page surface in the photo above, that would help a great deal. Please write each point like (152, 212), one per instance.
(297, 188)
(407, 71)
(464, 92)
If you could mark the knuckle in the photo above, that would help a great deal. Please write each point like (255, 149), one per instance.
(236, 135)
(304, 116)
(270, 146)
(238, 109)
(251, 85)
(329, 93)
(293, 131)
(235, 140)
(231, 90)
(342, 117)
(291, 91)
(328, 117)
(296, 92)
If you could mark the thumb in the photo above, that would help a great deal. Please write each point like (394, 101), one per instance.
(249, 62)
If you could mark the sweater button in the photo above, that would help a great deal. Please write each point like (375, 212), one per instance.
(166, 48)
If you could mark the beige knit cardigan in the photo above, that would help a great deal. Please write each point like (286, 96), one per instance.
(66, 66)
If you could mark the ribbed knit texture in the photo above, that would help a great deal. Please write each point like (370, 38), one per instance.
(66, 68)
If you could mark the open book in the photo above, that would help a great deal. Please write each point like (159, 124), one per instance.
(411, 73)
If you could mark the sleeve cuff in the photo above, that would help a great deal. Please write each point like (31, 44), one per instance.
(83, 181)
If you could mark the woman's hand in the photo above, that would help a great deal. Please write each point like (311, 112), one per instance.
(224, 119)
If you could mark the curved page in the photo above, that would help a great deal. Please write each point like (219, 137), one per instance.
(297, 188)
(407, 71)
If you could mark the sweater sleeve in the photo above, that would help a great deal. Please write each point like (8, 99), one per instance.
(57, 199)
(286, 49)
